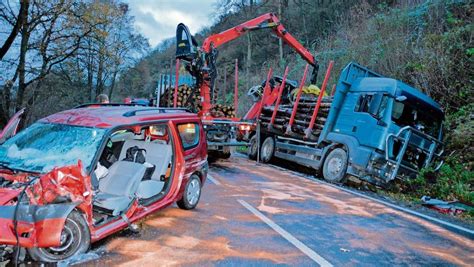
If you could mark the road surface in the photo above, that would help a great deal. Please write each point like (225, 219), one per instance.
(253, 214)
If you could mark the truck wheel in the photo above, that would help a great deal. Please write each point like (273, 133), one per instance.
(75, 239)
(253, 149)
(192, 194)
(268, 148)
(335, 166)
(226, 153)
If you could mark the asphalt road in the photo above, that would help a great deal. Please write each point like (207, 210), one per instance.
(253, 214)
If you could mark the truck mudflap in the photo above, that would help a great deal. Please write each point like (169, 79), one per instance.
(37, 225)
(409, 151)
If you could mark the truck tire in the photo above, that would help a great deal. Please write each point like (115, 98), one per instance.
(253, 149)
(268, 149)
(335, 166)
(225, 155)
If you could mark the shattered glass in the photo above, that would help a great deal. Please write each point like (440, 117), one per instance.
(44, 146)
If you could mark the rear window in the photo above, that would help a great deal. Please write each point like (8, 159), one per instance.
(189, 134)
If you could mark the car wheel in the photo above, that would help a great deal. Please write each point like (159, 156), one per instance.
(75, 239)
(192, 194)
(335, 166)
(267, 150)
(253, 148)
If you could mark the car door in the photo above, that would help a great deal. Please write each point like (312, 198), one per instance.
(191, 141)
(11, 127)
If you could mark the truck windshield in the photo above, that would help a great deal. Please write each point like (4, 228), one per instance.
(408, 114)
(43, 146)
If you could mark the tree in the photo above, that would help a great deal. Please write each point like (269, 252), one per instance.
(20, 20)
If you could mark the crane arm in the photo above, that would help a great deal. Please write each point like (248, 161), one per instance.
(265, 21)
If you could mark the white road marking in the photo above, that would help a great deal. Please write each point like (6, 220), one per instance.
(290, 238)
(213, 180)
(409, 211)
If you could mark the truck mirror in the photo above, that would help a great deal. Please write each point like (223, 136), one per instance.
(401, 98)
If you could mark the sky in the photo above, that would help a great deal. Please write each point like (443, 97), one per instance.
(157, 19)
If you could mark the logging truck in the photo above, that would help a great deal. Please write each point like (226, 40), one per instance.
(374, 128)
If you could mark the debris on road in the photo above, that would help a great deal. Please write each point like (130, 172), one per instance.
(446, 207)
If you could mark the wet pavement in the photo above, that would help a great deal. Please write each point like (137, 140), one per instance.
(253, 214)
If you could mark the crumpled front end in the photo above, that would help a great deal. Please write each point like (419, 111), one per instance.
(37, 226)
(39, 214)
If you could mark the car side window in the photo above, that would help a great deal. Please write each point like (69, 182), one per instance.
(189, 134)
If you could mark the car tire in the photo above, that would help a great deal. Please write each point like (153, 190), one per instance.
(253, 148)
(335, 166)
(75, 239)
(192, 194)
(267, 149)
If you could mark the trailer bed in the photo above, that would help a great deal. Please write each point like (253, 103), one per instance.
(302, 119)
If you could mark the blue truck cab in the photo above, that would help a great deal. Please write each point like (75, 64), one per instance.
(388, 129)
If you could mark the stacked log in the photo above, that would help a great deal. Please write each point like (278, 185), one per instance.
(186, 98)
(302, 119)
(220, 110)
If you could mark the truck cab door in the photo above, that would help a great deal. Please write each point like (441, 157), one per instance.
(11, 127)
(365, 118)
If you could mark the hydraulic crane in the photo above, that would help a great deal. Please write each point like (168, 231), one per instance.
(201, 61)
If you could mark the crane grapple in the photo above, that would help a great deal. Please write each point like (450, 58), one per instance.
(186, 45)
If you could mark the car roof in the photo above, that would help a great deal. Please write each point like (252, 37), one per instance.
(109, 116)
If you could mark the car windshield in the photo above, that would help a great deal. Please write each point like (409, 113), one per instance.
(43, 146)
(406, 114)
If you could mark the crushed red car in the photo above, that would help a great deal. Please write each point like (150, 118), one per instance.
(80, 175)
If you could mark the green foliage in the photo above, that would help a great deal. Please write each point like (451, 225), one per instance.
(453, 181)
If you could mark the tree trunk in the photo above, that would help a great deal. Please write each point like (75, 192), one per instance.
(100, 73)
(90, 73)
(112, 86)
(22, 14)
(25, 36)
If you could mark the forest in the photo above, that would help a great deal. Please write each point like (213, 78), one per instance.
(63, 53)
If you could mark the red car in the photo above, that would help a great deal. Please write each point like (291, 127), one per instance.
(80, 175)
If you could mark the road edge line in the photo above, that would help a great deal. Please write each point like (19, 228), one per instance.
(290, 238)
